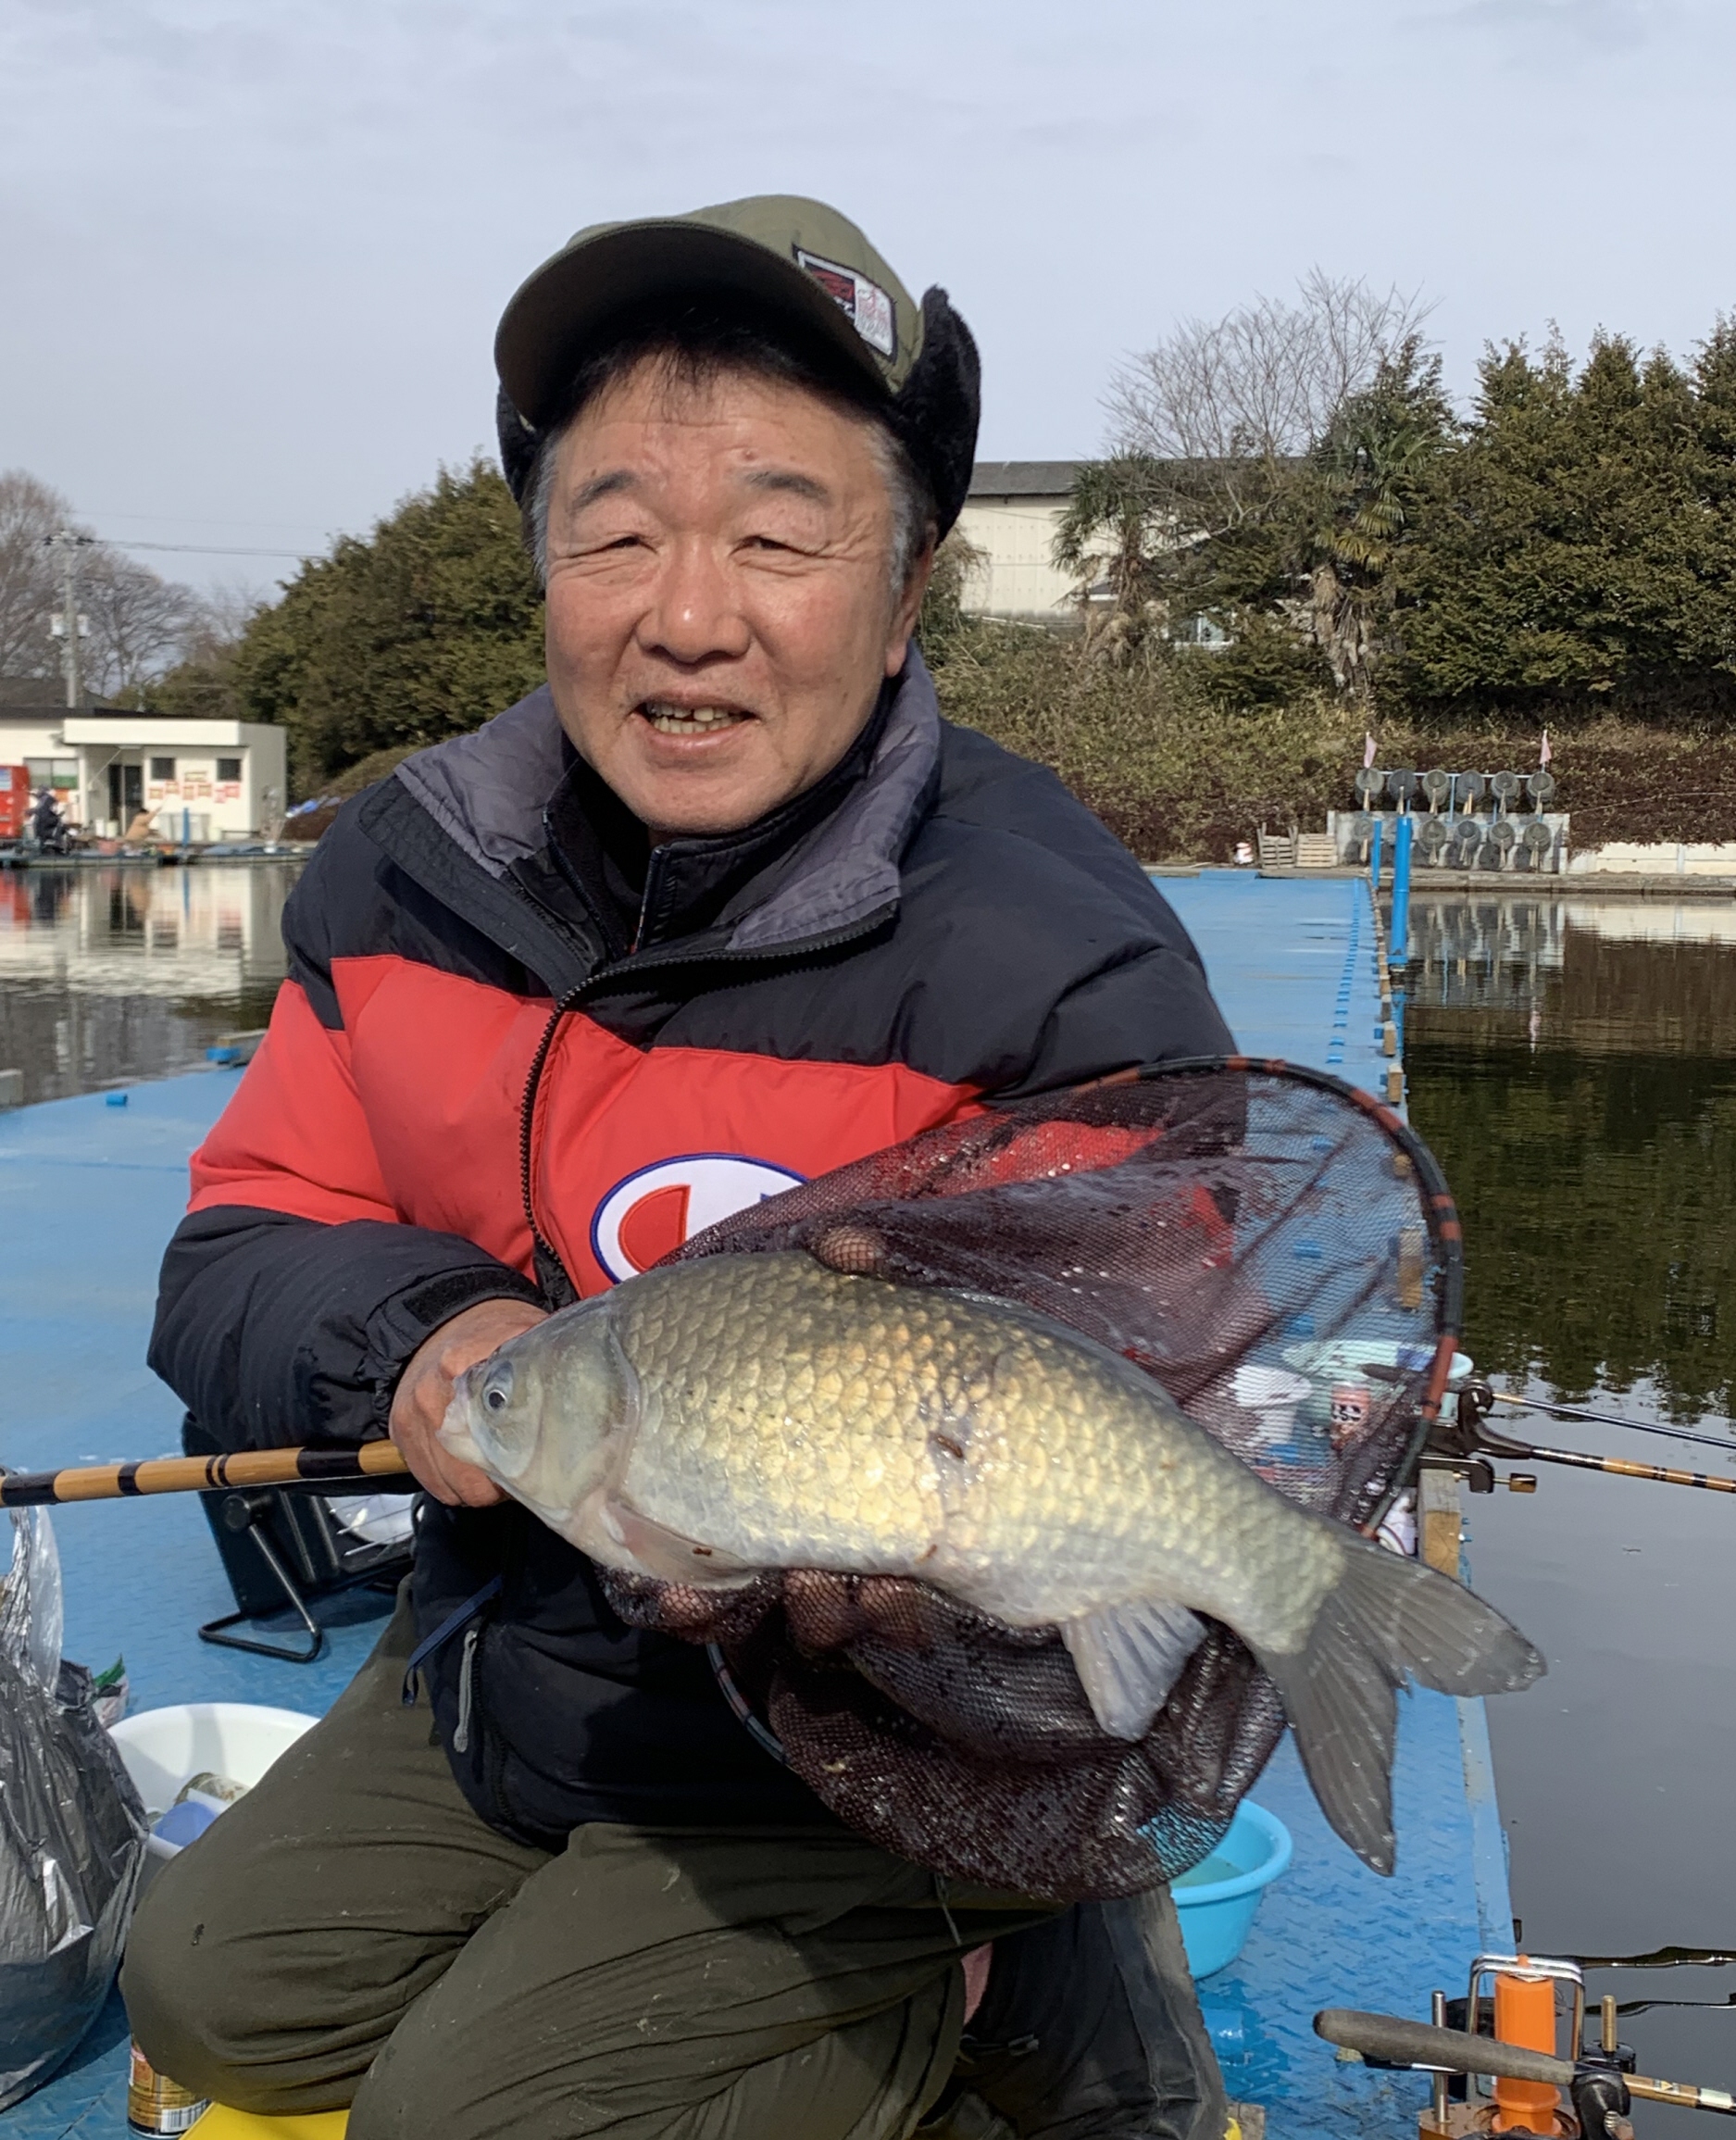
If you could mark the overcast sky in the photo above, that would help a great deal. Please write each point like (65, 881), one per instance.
(251, 252)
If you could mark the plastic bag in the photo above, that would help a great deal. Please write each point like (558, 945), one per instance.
(72, 1828)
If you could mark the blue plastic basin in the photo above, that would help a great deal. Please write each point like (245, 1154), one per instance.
(1216, 1901)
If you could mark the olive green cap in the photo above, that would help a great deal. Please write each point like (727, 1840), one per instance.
(798, 256)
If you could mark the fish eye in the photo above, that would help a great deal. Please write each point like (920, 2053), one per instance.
(498, 1395)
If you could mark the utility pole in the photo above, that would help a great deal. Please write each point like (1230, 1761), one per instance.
(69, 623)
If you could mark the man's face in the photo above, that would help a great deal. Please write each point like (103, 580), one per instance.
(720, 614)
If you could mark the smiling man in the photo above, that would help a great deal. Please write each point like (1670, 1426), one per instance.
(724, 904)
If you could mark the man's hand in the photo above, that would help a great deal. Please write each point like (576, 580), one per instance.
(425, 1390)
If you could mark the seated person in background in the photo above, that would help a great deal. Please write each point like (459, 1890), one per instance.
(47, 826)
(724, 904)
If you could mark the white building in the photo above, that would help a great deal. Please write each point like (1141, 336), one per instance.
(1010, 517)
(200, 780)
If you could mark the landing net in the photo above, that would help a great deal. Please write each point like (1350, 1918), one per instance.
(1276, 1249)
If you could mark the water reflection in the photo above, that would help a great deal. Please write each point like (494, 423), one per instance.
(115, 973)
(1573, 1063)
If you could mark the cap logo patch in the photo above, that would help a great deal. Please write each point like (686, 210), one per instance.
(869, 307)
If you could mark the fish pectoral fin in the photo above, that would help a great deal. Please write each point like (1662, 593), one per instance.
(1128, 1657)
(671, 1555)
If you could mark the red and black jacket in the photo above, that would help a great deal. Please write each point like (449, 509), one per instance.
(517, 1056)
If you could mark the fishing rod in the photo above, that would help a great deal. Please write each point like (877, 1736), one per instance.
(1614, 1420)
(1465, 1442)
(1616, 1467)
(1724, 2006)
(202, 1474)
(1668, 1957)
(1391, 2041)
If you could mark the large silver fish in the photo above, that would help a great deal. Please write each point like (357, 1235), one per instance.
(708, 1422)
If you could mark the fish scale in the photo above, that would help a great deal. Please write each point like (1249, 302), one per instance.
(779, 1393)
(711, 1420)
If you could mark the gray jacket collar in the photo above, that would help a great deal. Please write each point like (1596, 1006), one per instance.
(488, 791)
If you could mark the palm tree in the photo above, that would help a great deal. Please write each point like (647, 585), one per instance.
(1116, 518)
(1357, 492)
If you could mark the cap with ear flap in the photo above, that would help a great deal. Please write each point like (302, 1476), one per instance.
(801, 261)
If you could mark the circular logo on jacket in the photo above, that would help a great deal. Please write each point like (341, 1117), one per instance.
(660, 1207)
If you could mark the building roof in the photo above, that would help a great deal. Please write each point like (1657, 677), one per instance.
(36, 695)
(121, 726)
(44, 698)
(1023, 479)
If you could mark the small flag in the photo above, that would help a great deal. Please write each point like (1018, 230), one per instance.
(1368, 748)
(1545, 754)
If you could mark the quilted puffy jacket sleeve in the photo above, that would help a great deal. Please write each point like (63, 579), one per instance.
(292, 1295)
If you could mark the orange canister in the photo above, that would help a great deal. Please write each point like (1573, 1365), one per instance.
(1525, 2013)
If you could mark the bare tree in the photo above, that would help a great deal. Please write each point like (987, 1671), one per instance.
(1221, 404)
(138, 623)
(29, 512)
(1213, 437)
(202, 683)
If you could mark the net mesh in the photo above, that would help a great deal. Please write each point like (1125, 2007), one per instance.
(1281, 1254)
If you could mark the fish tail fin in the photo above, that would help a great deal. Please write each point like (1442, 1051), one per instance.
(1386, 1619)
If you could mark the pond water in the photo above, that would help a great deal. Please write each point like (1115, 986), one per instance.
(114, 973)
(1573, 1064)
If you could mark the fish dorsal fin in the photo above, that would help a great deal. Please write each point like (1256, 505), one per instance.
(1128, 1657)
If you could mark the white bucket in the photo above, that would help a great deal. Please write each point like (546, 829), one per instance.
(1272, 1395)
(163, 1748)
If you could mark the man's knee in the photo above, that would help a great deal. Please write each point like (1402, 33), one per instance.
(238, 2002)
(1103, 1995)
(447, 2072)
(198, 1993)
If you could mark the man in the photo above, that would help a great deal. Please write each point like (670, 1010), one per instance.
(47, 825)
(722, 906)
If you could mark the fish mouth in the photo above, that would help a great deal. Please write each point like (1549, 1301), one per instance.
(695, 722)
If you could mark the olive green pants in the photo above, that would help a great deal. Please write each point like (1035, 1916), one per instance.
(352, 1932)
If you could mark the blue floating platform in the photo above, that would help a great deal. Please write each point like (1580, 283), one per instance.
(91, 1191)
(1292, 965)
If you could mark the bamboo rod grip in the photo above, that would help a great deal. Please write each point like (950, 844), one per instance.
(202, 1474)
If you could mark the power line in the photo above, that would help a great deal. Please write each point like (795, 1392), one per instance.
(203, 520)
(201, 549)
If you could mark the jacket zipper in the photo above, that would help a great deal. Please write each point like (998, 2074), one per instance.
(551, 1272)
(467, 1684)
(558, 1289)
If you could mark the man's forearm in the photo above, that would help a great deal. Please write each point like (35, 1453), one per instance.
(276, 1330)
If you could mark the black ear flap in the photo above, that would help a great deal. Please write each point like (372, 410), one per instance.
(936, 410)
(517, 446)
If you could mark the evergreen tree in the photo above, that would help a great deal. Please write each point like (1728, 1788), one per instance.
(1578, 549)
(424, 629)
